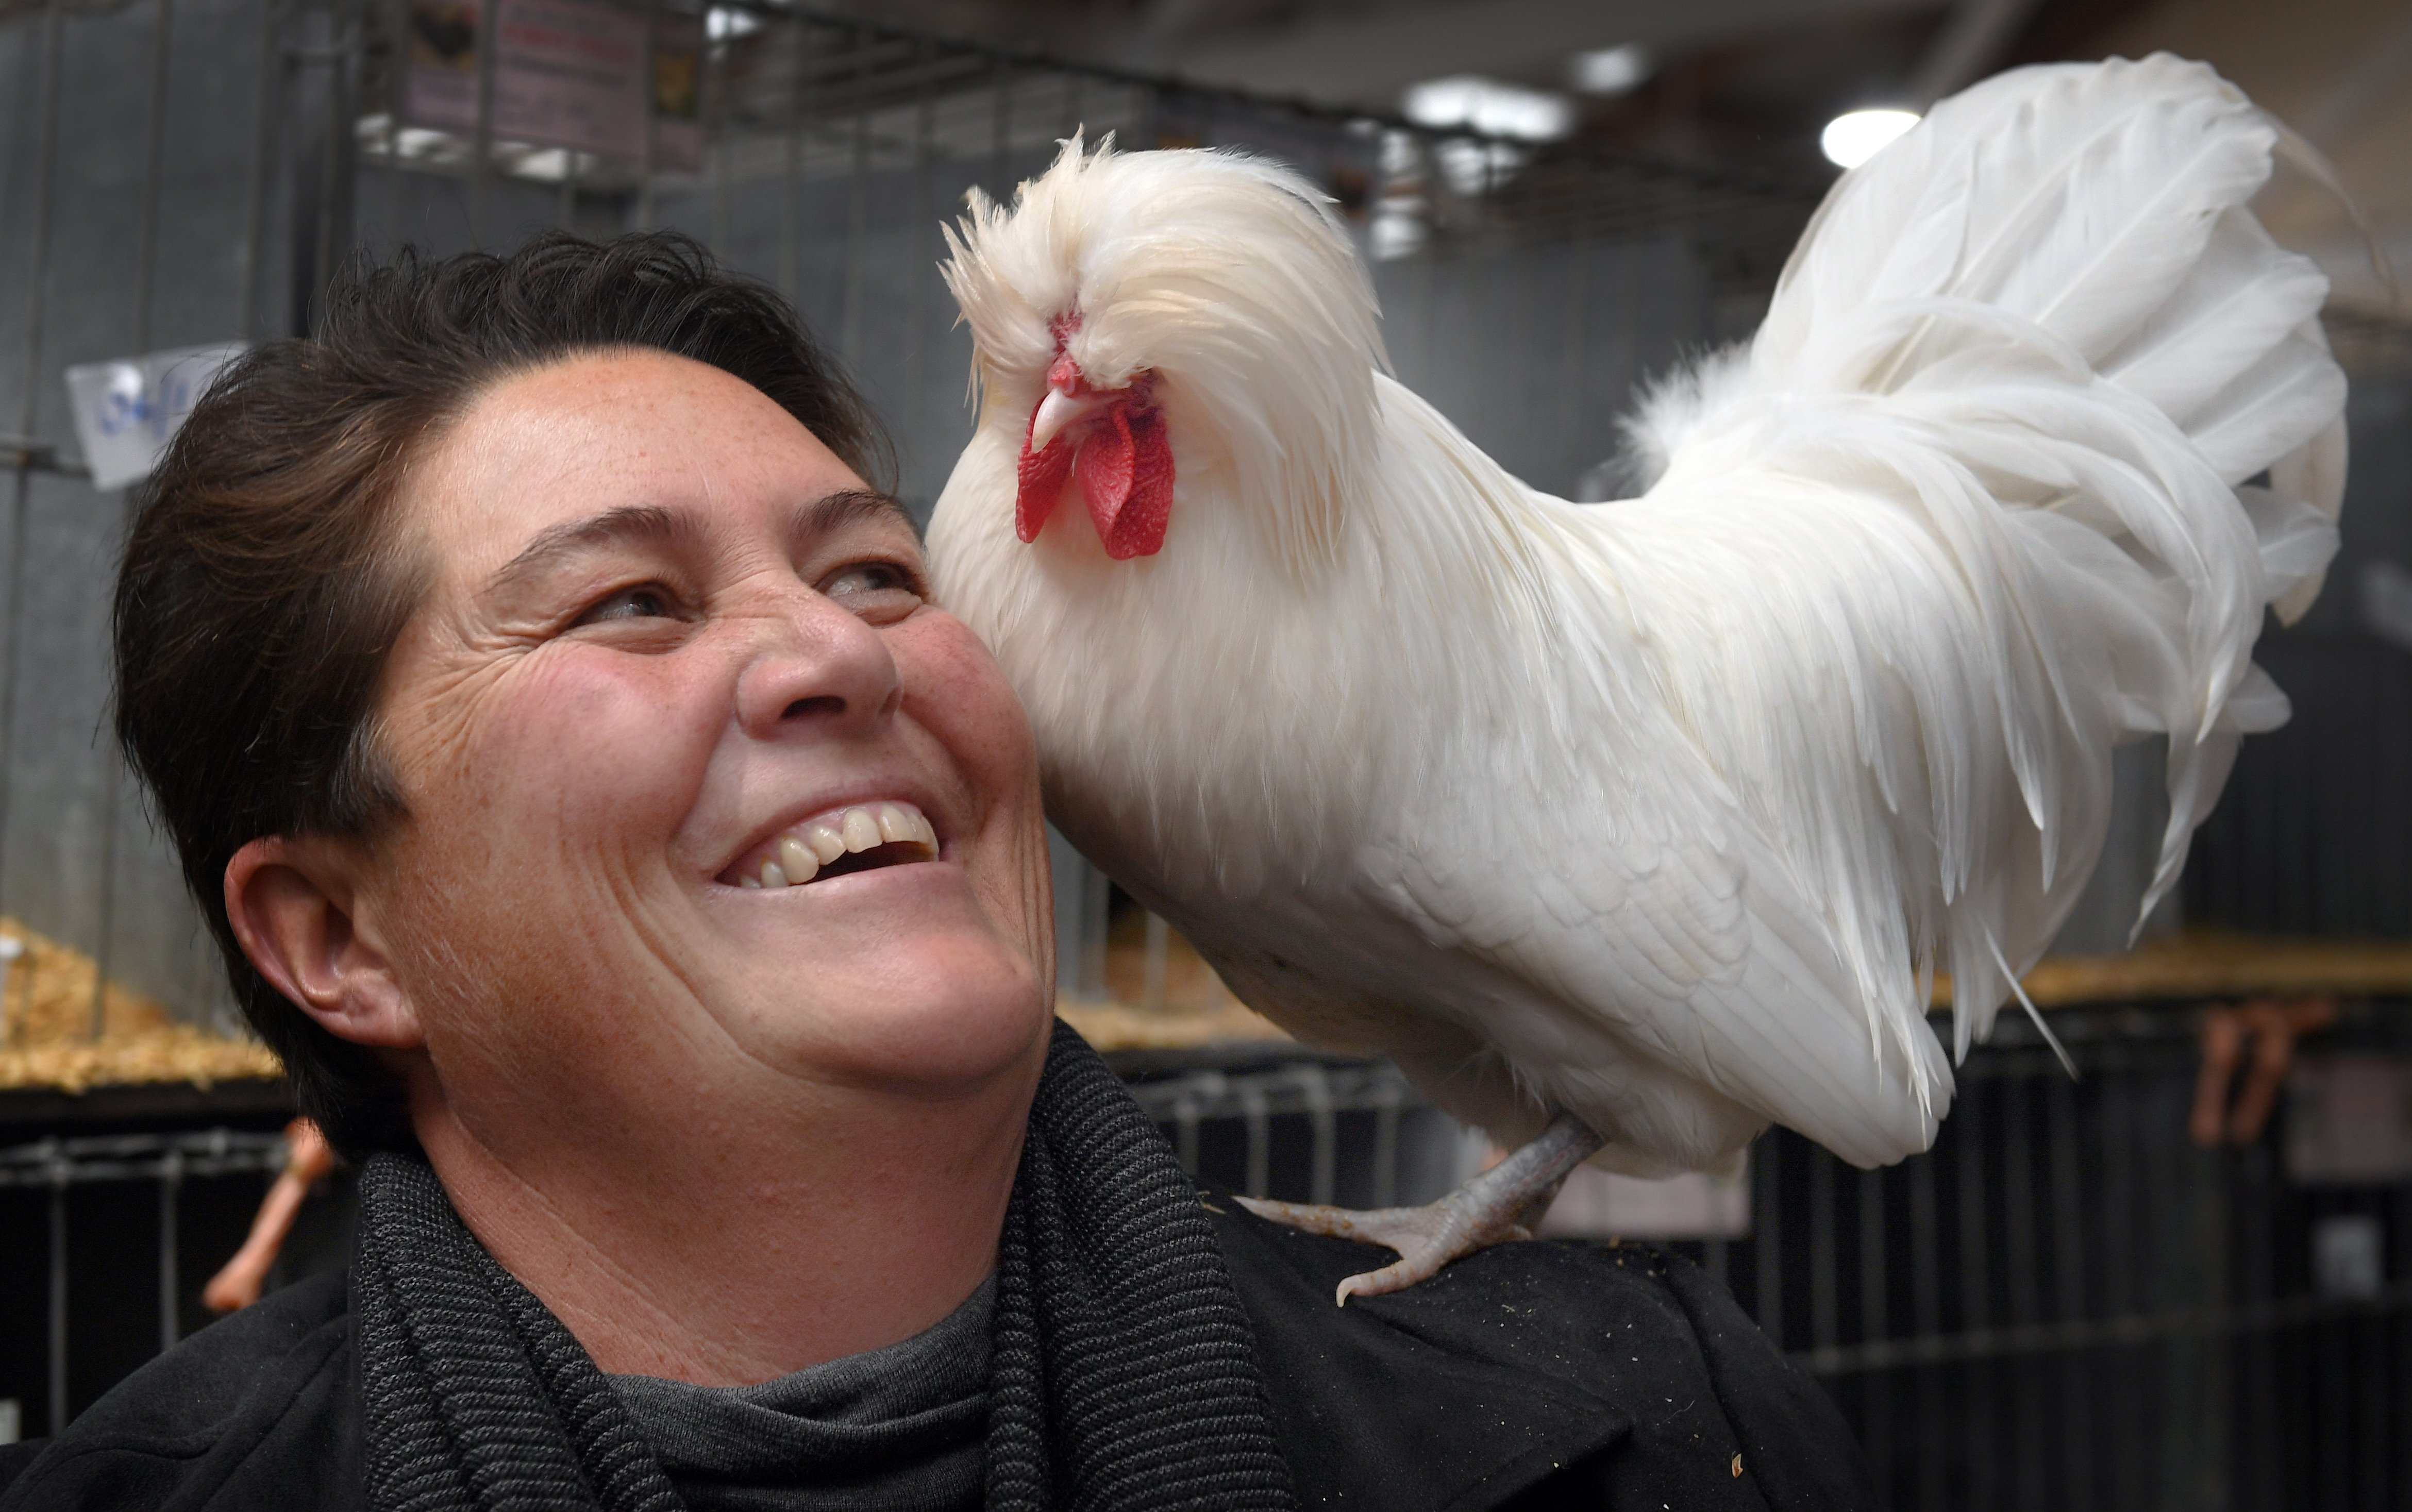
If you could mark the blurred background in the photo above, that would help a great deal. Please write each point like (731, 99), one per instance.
(2181, 1279)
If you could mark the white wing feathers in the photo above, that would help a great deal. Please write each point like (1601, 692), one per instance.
(1967, 514)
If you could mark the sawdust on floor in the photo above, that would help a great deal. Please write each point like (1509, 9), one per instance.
(45, 1037)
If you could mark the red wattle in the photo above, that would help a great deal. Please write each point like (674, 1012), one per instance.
(1126, 470)
(1124, 461)
(1038, 478)
(1104, 469)
(1138, 525)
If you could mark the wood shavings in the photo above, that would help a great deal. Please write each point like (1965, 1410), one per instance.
(1196, 1009)
(1115, 1026)
(45, 1037)
(1191, 1008)
(2205, 963)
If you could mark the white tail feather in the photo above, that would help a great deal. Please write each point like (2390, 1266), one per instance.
(2055, 283)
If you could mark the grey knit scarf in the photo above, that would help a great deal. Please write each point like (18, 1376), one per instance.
(1123, 1373)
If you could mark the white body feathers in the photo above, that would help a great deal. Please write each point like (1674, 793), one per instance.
(1661, 812)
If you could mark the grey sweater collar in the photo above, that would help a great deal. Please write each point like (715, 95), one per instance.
(1123, 1371)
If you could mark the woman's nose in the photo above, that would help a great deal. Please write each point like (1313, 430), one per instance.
(815, 665)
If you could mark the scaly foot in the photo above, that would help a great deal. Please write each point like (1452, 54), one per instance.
(1502, 1204)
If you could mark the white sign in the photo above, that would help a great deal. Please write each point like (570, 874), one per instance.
(2348, 1257)
(2387, 603)
(127, 411)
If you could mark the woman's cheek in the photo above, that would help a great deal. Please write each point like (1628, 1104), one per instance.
(604, 738)
(958, 695)
(961, 695)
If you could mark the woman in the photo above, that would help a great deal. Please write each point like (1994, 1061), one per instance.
(640, 873)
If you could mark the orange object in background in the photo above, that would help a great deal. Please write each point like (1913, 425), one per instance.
(238, 1282)
(2273, 1027)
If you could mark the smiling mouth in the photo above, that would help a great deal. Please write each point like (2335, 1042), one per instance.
(862, 837)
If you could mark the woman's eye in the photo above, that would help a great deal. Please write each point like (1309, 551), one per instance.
(866, 585)
(646, 601)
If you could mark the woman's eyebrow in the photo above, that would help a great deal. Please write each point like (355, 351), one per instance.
(647, 523)
(835, 511)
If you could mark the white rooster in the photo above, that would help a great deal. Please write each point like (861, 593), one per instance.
(1628, 827)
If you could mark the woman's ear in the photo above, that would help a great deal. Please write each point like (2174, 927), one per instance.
(294, 906)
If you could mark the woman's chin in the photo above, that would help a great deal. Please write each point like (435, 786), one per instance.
(942, 1001)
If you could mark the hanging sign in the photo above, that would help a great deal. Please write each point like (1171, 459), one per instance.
(127, 411)
(2349, 1120)
(678, 94)
(577, 74)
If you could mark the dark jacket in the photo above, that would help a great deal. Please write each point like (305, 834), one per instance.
(1529, 1376)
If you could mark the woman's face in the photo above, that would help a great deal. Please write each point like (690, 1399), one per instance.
(670, 638)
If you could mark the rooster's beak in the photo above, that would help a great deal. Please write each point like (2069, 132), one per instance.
(1060, 409)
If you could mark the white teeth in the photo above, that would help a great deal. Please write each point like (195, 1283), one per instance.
(896, 825)
(796, 857)
(861, 831)
(797, 861)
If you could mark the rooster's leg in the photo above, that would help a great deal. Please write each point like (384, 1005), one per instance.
(1504, 1203)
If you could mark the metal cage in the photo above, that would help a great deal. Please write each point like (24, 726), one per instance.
(2063, 1304)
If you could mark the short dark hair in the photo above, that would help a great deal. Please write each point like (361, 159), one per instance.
(264, 582)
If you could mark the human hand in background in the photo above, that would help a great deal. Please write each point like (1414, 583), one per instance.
(2273, 1027)
(238, 1282)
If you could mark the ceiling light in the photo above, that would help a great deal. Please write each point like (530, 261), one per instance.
(1490, 107)
(722, 23)
(1856, 136)
(1475, 167)
(1611, 71)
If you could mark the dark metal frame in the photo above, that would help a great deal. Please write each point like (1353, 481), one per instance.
(166, 1160)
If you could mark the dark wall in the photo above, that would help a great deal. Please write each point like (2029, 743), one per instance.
(2314, 834)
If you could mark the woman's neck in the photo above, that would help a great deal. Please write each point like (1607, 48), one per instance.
(738, 1243)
